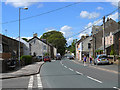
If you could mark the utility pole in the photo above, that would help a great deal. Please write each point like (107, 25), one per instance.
(104, 35)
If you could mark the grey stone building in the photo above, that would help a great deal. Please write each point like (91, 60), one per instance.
(9, 47)
(97, 33)
(83, 47)
(39, 47)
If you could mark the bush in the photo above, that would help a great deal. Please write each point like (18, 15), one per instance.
(27, 59)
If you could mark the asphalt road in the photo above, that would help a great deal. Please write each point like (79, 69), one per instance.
(65, 74)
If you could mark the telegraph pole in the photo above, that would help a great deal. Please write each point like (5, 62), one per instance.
(104, 35)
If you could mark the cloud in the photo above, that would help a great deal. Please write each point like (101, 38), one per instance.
(92, 15)
(88, 31)
(114, 16)
(50, 29)
(20, 3)
(70, 40)
(27, 37)
(99, 8)
(66, 30)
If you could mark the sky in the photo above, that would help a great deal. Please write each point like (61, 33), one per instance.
(70, 20)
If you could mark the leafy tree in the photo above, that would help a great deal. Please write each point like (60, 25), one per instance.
(112, 50)
(25, 39)
(57, 39)
(72, 49)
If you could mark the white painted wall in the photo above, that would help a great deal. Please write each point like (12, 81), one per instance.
(38, 47)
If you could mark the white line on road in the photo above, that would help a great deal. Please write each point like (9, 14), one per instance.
(79, 73)
(30, 85)
(94, 79)
(71, 69)
(65, 66)
(116, 88)
(39, 81)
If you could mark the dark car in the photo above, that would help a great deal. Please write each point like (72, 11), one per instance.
(11, 64)
(58, 57)
(47, 58)
(70, 57)
(39, 58)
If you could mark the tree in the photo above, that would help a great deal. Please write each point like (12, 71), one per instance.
(112, 50)
(72, 49)
(57, 39)
(25, 39)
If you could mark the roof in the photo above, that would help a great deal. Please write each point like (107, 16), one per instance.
(41, 41)
(9, 38)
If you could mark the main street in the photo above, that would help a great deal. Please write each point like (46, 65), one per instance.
(65, 74)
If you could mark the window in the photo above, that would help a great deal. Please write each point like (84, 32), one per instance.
(34, 41)
(44, 47)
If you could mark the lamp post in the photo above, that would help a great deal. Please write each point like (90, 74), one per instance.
(25, 8)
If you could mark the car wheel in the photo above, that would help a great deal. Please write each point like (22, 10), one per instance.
(94, 63)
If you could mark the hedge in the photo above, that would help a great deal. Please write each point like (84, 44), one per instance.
(27, 59)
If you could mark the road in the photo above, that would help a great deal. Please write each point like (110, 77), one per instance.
(65, 74)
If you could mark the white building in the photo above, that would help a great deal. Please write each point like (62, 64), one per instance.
(39, 47)
(26, 46)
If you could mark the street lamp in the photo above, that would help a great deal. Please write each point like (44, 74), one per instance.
(25, 8)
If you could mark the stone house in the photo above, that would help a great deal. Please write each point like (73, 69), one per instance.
(9, 47)
(40, 47)
(97, 33)
(82, 47)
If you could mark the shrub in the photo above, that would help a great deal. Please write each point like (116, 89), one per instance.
(27, 59)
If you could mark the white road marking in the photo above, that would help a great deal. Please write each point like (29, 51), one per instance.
(39, 81)
(94, 79)
(116, 88)
(79, 73)
(65, 66)
(53, 60)
(71, 69)
(30, 85)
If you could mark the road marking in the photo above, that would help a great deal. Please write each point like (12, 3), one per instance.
(53, 60)
(71, 69)
(61, 63)
(30, 85)
(94, 79)
(39, 81)
(116, 88)
(79, 73)
(65, 66)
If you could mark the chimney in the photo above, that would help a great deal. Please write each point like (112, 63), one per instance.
(35, 35)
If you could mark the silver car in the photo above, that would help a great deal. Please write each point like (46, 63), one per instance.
(101, 59)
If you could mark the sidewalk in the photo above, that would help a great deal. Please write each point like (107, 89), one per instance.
(24, 71)
(110, 68)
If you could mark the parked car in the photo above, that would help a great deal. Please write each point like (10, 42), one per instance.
(11, 64)
(39, 58)
(58, 57)
(70, 57)
(101, 59)
(47, 58)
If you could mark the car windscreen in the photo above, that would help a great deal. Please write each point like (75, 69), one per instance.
(103, 57)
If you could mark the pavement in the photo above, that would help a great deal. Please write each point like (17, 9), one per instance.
(27, 70)
(109, 68)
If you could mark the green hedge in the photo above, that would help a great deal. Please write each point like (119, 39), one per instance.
(27, 59)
